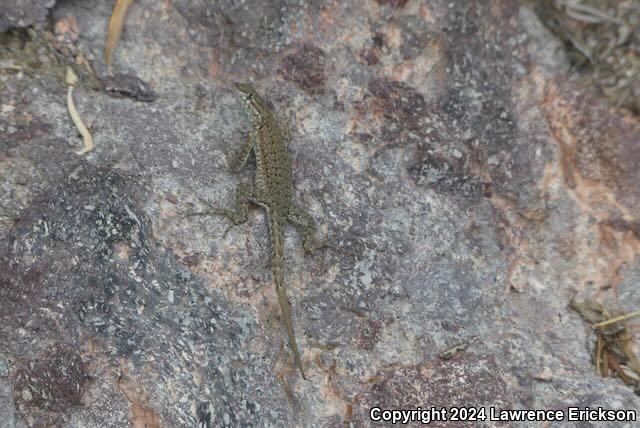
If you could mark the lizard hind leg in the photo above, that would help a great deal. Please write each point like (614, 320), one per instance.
(306, 227)
(245, 193)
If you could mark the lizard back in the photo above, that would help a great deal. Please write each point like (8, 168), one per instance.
(273, 167)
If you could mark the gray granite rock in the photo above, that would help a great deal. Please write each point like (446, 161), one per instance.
(469, 188)
(23, 13)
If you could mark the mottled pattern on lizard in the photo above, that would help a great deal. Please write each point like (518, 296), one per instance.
(273, 190)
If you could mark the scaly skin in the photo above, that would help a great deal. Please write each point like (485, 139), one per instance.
(273, 190)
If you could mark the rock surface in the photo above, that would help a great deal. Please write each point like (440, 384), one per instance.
(469, 187)
(23, 13)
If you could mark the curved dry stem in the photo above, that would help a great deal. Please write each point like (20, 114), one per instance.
(116, 22)
(87, 140)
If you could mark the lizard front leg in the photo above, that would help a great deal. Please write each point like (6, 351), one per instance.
(240, 160)
(306, 227)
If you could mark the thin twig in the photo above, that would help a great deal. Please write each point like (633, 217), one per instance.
(616, 319)
(87, 140)
(116, 22)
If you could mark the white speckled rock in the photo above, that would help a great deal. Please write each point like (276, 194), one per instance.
(470, 188)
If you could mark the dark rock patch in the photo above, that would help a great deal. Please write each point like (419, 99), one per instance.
(47, 387)
(399, 102)
(305, 67)
(393, 3)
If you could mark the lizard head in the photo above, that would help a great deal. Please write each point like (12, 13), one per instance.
(254, 103)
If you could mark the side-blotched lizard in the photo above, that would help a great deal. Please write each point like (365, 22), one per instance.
(272, 190)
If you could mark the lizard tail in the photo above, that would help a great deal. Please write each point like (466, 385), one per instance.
(277, 261)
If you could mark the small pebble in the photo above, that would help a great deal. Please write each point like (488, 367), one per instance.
(26, 395)
(4, 369)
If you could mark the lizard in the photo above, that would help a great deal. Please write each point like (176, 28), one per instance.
(272, 190)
